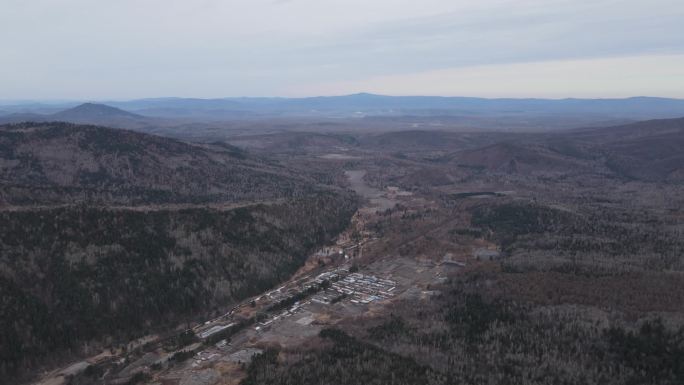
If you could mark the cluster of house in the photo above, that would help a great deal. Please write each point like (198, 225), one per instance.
(338, 284)
(359, 288)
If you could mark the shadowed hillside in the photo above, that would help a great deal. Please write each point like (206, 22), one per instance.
(75, 275)
(650, 150)
(646, 151)
(513, 157)
(65, 163)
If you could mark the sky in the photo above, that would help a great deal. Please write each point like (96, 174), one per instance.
(124, 49)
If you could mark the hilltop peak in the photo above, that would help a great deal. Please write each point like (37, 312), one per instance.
(92, 110)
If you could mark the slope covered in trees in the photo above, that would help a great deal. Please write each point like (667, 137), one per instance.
(48, 163)
(71, 275)
(107, 235)
(470, 335)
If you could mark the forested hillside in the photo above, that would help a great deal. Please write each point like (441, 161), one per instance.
(468, 337)
(108, 235)
(70, 275)
(49, 163)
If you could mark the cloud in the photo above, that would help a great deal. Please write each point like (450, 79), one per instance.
(652, 75)
(557, 30)
(131, 48)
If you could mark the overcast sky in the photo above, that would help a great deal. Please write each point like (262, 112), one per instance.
(118, 49)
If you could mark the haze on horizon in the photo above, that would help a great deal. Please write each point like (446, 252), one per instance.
(80, 49)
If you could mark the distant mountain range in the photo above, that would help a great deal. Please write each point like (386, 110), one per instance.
(361, 105)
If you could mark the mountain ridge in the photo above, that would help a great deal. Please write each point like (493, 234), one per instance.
(93, 110)
(56, 162)
(367, 104)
